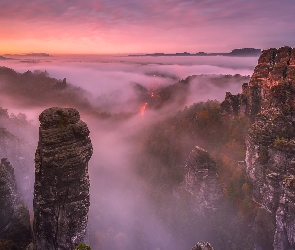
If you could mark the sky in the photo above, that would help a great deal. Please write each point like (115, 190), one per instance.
(144, 26)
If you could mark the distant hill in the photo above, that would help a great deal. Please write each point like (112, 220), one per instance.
(235, 52)
(30, 54)
(4, 58)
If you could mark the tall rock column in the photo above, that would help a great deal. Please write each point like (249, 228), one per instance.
(61, 193)
(202, 181)
(14, 215)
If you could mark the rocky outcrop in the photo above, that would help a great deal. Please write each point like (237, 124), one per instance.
(270, 156)
(15, 229)
(17, 135)
(201, 181)
(269, 100)
(236, 104)
(61, 84)
(61, 195)
(275, 66)
(202, 246)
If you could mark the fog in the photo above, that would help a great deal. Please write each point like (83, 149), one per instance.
(109, 79)
(122, 214)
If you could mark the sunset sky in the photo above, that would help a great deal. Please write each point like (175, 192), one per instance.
(144, 26)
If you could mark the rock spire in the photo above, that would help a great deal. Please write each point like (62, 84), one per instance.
(14, 215)
(202, 182)
(61, 194)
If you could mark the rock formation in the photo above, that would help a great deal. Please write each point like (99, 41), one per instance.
(236, 104)
(15, 229)
(269, 100)
(275, 67)
(202, 246)
(61, 195)
(201, 181)
(16, 137)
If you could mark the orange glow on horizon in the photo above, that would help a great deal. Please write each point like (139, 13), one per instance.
(73, 44)
(53, 47)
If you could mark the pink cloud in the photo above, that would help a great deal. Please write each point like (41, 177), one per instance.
(147, 26)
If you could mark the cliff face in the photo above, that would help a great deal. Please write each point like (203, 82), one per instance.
(16, 137)
(270, 155)
(14, 216)
(61, 195)
(269, 100)
(201, 181)
(275, 67)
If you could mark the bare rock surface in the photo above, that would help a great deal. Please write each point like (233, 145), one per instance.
(15, 230)
(201, 181)
(269, 100)
(202, 246)
(61, 195)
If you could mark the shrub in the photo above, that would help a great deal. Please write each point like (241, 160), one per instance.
(82, 247)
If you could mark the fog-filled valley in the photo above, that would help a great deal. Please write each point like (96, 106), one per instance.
(145, 116)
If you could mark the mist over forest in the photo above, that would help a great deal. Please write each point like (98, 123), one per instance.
(145, 116)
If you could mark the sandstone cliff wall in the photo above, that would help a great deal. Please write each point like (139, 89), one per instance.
(269, 100)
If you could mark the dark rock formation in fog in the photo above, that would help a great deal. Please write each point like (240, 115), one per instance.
(236, 104)
(61, 197)
(61, 84)
(270, 158)
(15, 229)
(202, 246)
(16, 137)
(201, 181)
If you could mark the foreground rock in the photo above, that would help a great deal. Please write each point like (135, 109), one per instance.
(15, 230)
(202, 246)
(202, 181)
(269, 100)
(61, 197)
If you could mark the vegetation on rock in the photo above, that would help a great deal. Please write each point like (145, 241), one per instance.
(82, 246)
